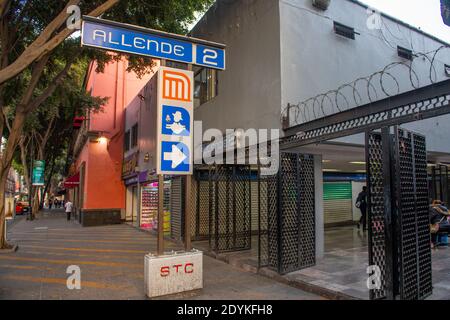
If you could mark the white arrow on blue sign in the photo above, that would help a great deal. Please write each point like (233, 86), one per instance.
(175, 121)
(120, 37)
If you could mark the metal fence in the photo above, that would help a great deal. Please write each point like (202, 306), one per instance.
(225, 203)
(222, 210)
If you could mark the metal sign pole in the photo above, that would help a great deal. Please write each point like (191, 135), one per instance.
(160, 214)
(187, 213)
(187, 206)
(160, 240)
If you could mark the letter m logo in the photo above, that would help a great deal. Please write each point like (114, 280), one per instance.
(176, 86)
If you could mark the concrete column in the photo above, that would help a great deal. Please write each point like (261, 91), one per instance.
(318, 185)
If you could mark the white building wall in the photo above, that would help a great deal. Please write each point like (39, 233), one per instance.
(249, 90)
(315, 60)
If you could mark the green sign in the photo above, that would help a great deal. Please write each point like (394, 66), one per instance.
(38, 172)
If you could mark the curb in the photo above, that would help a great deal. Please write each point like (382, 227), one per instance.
(12, 250)
(266, 272)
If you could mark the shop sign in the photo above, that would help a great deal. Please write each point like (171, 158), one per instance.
(130, 181)
(129, 165)
(38, 172)
(114, 36)
(175, 121)
(175, 273)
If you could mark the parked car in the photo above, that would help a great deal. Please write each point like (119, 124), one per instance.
(22, 207)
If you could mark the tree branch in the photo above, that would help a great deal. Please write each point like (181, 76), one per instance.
(35, 76)
(30, 107)
(5, 119)
(4, 7)
(44, 44)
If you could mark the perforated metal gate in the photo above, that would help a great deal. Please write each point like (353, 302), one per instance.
(413, 213)
(399, 236)
(287, 215)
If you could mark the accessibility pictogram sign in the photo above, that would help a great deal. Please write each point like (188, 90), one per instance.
(175, 121)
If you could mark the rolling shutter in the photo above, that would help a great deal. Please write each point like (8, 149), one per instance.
(337, 198)
(176, 208)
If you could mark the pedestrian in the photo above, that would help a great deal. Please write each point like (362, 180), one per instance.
(56, 203)
(50, 204)
(68, 206)
(361, 203)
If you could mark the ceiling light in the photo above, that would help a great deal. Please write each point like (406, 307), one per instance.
(360, 171)
(326, 161)
(331, 170)
(358, 162)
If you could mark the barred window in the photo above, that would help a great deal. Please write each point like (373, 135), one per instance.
(206, 86)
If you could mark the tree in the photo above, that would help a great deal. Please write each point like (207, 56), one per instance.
(37, 54)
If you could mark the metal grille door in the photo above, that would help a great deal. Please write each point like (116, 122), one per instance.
(291, 215)
(399, 235)
(376, 210)
(412, 195)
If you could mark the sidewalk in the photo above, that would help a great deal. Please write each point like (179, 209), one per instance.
(111, 259)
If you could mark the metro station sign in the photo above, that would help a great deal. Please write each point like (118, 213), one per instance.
(175, 121)
(120, 37)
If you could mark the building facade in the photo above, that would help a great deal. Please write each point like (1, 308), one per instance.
(291, 52)
(95, 179)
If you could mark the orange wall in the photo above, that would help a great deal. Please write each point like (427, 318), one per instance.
(104, 188)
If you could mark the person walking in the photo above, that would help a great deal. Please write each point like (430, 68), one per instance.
(68, 206)
(50, 203)
(361, 203)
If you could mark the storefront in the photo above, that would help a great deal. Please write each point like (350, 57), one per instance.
(130, 177)
(149, 203)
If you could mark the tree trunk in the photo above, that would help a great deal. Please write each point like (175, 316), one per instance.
(3, 178)
(5, 165)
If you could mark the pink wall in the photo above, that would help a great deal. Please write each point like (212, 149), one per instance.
(104, 187)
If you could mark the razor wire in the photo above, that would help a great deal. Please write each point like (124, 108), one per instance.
(370, 88)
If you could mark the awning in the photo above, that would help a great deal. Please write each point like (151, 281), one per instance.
(72, 182)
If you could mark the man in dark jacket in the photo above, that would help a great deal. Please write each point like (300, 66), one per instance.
(361, 203)
(439, 215)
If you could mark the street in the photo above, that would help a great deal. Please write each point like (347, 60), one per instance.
(111, 259)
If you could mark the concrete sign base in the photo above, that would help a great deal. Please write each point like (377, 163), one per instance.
(173, 273)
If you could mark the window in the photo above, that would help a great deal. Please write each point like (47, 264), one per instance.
(447, 70)
(206, 86)
(134, 136)
(127, 141)
(404, 53)
(344, 30)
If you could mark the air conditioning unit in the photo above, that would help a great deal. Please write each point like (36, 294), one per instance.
(321, 4)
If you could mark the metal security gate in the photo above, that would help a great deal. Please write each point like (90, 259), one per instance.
(287, 215)
(177, 208)
(399, 237)
(223, 207)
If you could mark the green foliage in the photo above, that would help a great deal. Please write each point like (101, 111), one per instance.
(25, 21)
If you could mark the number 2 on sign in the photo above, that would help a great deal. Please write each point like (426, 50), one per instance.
(209, 57)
